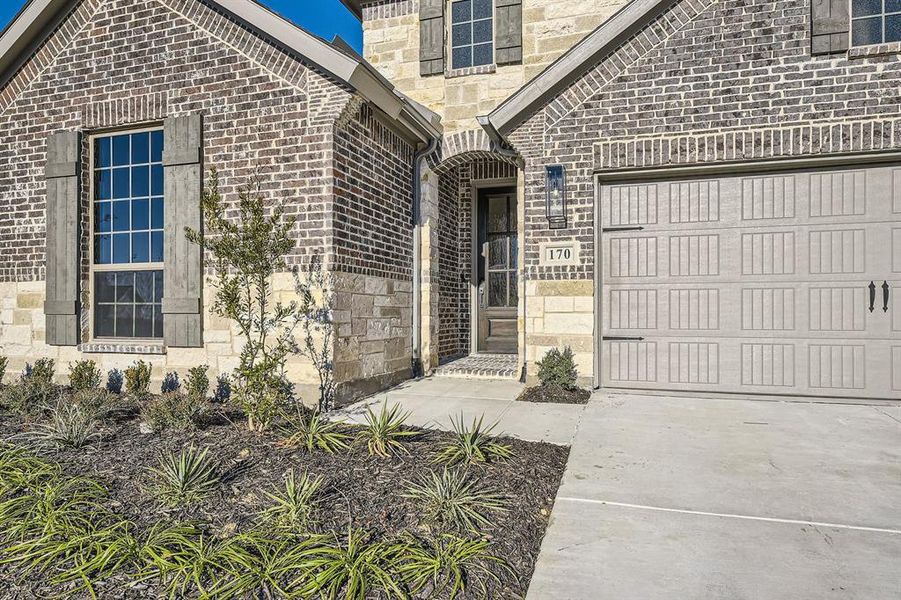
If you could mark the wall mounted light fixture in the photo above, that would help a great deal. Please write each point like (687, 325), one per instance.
(556, 194)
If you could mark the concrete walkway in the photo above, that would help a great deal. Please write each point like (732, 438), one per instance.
(682, 498)
(433, 400)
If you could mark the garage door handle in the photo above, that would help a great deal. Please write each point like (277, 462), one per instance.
(621, 338)
(872, 287)
(885, 291)
(615, 229)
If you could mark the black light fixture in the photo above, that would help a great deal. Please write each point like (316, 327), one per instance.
(556, 194)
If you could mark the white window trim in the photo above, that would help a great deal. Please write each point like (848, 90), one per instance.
(112, 267)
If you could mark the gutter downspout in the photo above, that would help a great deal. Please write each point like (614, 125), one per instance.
(418, 161)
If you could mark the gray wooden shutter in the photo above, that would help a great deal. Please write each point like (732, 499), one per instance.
(829, 26)
(431, 37)
(183, 275)
(508, 32)
(62, 175)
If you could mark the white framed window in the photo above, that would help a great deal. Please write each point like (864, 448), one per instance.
(875, 22)
(127, 199)
(472, 33)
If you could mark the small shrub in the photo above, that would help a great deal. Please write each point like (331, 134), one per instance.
(450, 565)
(558, 368)
(383, 432)
(184, 478)
(84, 375)
(197, 383)
(171, 384)
(294, 503)
(472, 444)
(137, 380)
(223, 392)
(313, 432)
(41, 373)
(173, 411)
(92, 400)
(70, 426)
(451, 499)
(3, 362)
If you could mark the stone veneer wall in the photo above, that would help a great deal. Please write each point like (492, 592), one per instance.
(550, 27)
(706, 82)
(120, 63)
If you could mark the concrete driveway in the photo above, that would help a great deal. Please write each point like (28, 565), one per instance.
(682, 498)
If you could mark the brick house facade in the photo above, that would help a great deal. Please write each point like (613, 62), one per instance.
(332, 156)
(722, 212)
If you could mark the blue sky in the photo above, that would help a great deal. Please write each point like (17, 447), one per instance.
(325, 18)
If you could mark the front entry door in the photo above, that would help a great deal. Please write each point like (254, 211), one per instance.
(498, 294)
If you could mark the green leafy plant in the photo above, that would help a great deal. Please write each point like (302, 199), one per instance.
(20, 470)
(558, 368)
(184, 478)
(384, 431)
(41, 373)
(69, 426)
(294, 503)
(173, 411)
(84, 375)
(137, 380)
(355, 569)
(187, 562)
(313, 432)
(3, 364)
(244, 253)
(197, 383)
(265, 566)
(452, 499)
(472, 444)
(450, 565)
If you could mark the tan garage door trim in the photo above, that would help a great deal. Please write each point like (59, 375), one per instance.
(756, 166)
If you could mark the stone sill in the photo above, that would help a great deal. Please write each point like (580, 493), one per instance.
(875, 50)
(480, 70)
(122, 348)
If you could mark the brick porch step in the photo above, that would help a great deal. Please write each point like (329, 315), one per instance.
(482, 366)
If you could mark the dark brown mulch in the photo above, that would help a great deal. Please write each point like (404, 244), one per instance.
(358, 489)
(555, 394)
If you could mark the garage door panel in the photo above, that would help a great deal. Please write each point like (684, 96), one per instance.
(753, 283)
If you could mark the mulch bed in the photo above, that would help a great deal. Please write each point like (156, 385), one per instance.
(554, 394)
(358, 489)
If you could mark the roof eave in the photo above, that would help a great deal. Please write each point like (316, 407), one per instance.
(38, 17)
(562, 72)
(354, 6)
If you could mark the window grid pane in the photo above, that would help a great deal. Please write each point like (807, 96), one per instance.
(472, 33)
(875, 22)
(128, 304)
(128, 207)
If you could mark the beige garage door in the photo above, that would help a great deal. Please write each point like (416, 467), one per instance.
(783, 283)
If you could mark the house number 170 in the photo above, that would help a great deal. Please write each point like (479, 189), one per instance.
(559, 253)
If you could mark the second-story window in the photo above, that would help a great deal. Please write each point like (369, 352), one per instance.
(472, 33)
(875, 22)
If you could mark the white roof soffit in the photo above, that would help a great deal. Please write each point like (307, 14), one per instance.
(562, 72)
(41, 16)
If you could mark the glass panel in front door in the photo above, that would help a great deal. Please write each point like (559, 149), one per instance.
(500, 252)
